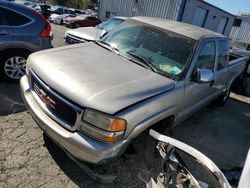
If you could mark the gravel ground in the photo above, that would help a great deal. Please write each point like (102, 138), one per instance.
(30, 159)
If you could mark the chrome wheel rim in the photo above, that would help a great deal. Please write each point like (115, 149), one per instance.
(15, 67)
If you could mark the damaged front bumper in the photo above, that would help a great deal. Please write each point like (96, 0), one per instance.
(175, 172)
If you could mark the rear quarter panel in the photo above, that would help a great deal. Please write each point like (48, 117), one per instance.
(236, 69)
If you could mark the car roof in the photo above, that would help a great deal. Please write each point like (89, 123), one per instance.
(188, 30)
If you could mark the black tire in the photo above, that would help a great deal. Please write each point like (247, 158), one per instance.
(77, 25)
(72, 26)
(61, 23)
(221, 100)
(13, 62)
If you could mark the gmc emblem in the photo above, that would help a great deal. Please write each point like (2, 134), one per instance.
(46, 99)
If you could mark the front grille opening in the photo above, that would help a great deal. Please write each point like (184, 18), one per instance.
(73, 40)
(56, 106)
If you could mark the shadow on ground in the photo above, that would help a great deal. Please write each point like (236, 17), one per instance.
(10, 99)
(221, 133)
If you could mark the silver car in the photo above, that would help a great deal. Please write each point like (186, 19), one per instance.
(22, 31)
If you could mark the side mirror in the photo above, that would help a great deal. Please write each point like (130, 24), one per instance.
(204, 76)
(103, 33)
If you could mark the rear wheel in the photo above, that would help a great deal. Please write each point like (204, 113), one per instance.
(13, 65)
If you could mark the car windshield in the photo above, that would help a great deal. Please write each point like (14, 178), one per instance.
(109, 24)
(165, 51)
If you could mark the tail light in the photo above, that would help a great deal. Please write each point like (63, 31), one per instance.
(46, 32)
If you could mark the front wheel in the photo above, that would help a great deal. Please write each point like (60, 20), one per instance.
(13, 65)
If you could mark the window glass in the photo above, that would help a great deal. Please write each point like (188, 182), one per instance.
(207, 57)
(109, 24)
(11, 18)
(223, 54)
(237, 22)
(167, 52)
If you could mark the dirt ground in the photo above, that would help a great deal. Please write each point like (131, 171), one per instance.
(30, 159)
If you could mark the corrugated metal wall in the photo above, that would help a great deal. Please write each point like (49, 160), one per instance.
(169, 9)
(242, 33)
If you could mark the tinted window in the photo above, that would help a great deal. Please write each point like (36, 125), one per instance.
(223, 54)
(11, 18)
(207, 56)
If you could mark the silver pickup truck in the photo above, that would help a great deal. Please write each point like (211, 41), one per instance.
(92, 99)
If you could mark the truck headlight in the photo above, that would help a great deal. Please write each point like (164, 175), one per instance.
(104, 121)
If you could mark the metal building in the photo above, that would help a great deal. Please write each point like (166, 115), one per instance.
(240, 32)
(197, 12)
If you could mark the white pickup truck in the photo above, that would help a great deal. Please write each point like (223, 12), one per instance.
(92, 99)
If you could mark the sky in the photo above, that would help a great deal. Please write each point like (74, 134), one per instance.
(232, 6)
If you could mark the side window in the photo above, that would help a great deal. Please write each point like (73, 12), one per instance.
(66, 11)
(206, 58)
(9, 18)
(223, 54)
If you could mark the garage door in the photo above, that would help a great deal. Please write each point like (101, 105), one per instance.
(200, 16)
(222, 25)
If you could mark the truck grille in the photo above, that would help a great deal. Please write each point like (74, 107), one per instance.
(56, 106)
(70, 39)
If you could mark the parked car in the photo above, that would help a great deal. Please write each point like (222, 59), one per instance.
(22, 31)
(85, 34)
(58, 19)
(81, 21)
(60, 10)
(92, 99)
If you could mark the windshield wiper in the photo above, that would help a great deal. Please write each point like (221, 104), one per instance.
(144, 61)
(112, 48)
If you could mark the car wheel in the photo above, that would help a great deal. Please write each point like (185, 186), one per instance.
(221, 100)
(77, 25)
(72, 26)
(13, 65)
(61, 22)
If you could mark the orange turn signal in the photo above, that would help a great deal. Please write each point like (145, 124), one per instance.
(110, 138)
(117, 125)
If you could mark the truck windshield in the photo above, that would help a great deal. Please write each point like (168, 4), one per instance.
(168, 52)
(109, 24)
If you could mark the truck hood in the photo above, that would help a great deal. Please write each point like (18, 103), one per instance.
(96, 78)
(87, 33)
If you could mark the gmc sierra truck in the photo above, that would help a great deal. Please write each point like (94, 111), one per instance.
(93, 98)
